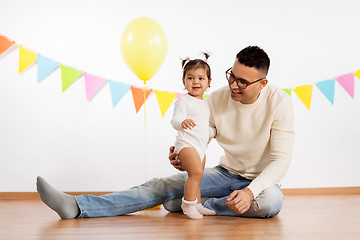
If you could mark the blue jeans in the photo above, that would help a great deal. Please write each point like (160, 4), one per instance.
(217, 183)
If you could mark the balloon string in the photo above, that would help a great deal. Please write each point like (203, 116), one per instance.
(145, 165)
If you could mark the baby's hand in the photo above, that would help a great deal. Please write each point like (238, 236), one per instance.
(188, 124)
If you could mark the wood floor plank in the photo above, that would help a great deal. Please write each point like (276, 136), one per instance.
(302, 217)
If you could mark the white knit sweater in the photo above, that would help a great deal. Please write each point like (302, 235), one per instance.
(257, 138)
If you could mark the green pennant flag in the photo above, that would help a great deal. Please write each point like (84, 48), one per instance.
(69, 76)
(288, 91)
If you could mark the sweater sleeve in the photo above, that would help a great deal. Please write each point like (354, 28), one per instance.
(179, 114)
(212, 128)
(212, 132)
(281, 147)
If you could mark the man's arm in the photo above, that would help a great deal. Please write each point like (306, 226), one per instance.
(281, 147)
(281, 144)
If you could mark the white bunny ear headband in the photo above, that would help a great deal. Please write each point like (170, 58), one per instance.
(187, 59)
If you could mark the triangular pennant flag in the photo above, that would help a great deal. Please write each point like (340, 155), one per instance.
(45, 66)
(138, 96)
(347, 82)
(164, 99)
(118, 90)
(26, 58)
(68, 76)
(93, 85)
(357, 73)
(179, 95)
(304, 93)
(288, 91)
(5, 43)
(327, 87)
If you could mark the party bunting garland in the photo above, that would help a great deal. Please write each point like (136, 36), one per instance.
(93, 83)
(118, 90)
(5, 43)
(164, 99)
(327, 87)
(26, 58)
(45, 66)
(138, 96)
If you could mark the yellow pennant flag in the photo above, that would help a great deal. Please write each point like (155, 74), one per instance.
(304, 93)
(357, 73)
(164, 99)
(26, 58)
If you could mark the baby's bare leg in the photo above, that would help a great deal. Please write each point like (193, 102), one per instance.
(191, 162)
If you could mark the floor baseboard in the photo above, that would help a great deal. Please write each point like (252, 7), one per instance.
(35, 195)
(322, 191)
(286, 191)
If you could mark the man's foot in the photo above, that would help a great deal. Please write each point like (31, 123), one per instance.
(204, 211)
(189, 208)
(63, 204)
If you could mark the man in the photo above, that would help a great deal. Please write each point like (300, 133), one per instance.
(255, 127)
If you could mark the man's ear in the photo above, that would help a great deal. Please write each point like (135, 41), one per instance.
(263, 83)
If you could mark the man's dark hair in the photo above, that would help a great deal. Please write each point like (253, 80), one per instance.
(253, 56)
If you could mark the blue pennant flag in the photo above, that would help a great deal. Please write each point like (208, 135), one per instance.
(118, 90)
(45, 66)
(327, 87)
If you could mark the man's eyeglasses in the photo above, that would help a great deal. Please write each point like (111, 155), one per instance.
(242, 83)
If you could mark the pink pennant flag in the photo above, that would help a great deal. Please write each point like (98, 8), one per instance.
(179, 95)
(347, 82)
(93, 85)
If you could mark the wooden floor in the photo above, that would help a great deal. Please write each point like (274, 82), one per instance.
(302, 217)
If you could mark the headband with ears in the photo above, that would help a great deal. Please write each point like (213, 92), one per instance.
(187, 59)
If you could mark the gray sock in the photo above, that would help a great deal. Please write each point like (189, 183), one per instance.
(63, 204)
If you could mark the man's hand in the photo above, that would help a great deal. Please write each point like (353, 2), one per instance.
(240, 200)
(174, 160)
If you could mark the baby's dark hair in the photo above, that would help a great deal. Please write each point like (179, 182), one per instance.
(253, 56)
(188, 64)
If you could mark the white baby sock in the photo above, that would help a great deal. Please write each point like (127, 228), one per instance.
(204, 211)
(189, 208)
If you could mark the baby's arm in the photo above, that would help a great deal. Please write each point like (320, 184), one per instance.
(188, 124)
(178, 116)
(179, 121)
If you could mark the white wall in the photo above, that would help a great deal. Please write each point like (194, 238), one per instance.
(81, 146)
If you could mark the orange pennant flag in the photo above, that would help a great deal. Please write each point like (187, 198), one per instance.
(138, 96)
(304, 93)
(5, 43)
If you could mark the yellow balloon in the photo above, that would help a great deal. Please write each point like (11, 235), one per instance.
(144, 47)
